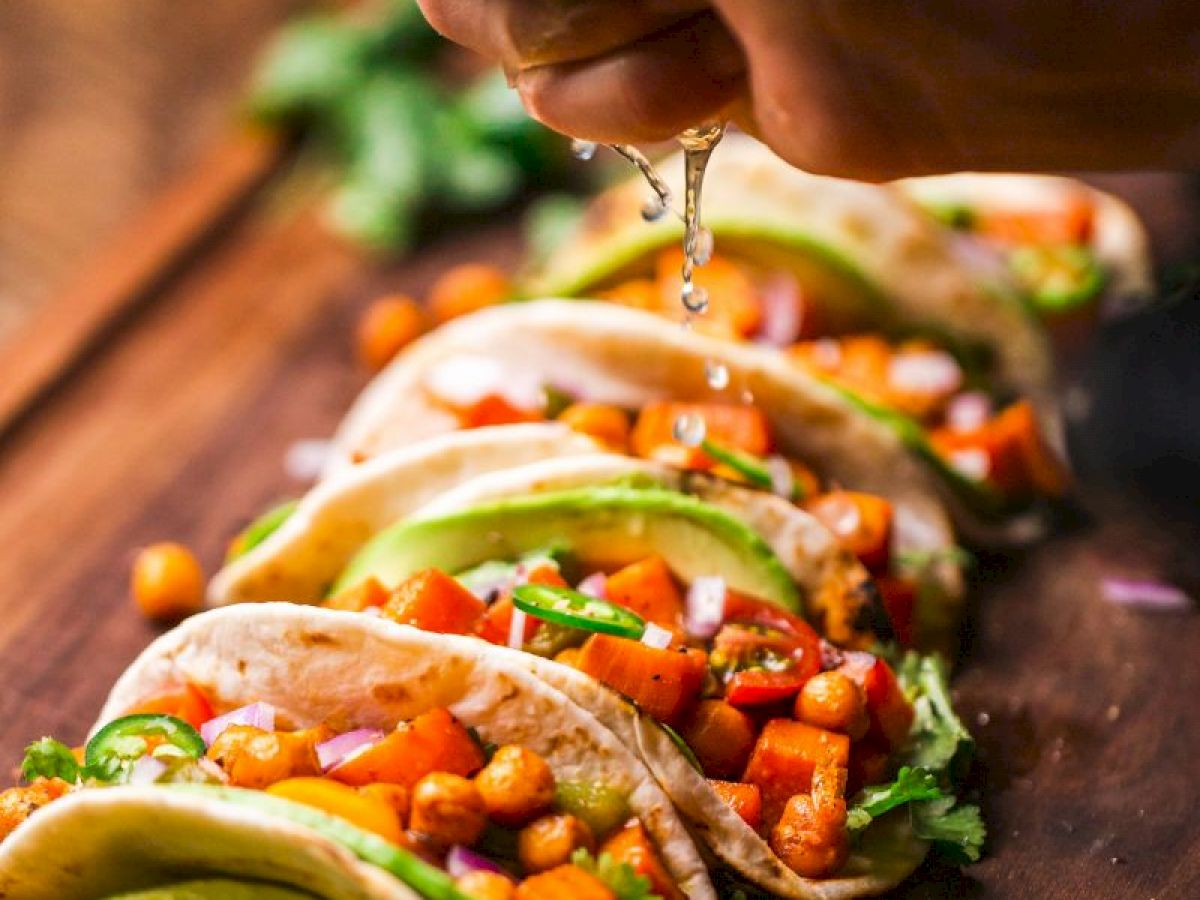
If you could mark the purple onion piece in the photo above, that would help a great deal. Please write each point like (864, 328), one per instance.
(595, 585)
(1152, 596)
(257, 715)
(337, 749)
(147, 770)
(462, 861)
(705, 606)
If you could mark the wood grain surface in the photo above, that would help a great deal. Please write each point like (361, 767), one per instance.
(177, 427)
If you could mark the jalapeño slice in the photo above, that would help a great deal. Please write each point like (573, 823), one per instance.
(745, 465)
(564, 606)
(123, 741)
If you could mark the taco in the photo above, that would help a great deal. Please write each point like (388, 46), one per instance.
(1071, 248)
(780, 747)
(856, 285)
(566, 375)
(343, 757)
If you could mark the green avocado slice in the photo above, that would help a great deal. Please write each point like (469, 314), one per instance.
(215, 889)
(425, 879)
(603, 526)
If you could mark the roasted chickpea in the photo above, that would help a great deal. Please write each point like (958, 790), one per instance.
(167, 582)
(810, 836)
(516, 785)
(549, 842)
(608, 425)
(394, 795)
(19, 803)
(255, 758)
(486, 886)
(835, 702)
(448, 809)
(386, 327)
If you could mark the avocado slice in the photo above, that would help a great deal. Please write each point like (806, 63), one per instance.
(265, 525)
(425, 879)
(604, 526)
(215, 889)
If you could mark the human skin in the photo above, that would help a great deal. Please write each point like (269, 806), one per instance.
(863, 88)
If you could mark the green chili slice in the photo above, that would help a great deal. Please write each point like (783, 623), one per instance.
(1059, 278)
(749, 467)
(564, 606)
(120, 743)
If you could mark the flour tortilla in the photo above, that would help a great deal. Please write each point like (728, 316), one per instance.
(1118, 239)
(869, 251)
(356, 671)
(610, 354)
(302, 558)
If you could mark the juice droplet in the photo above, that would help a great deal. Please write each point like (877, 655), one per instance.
(695, 299)
(653, 209)
(716, 374)
(689, 429)
(635, 156)
(584, 150)
(704, 247)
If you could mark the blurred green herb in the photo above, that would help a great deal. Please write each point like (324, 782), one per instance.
(364, 88)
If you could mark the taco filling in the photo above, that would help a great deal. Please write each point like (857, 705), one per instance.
(429, 801)
(689, 615)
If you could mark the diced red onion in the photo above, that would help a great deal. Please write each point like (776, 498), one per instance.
(841, 515)
(146, 770)
(827, 353)
(783, 482)
(856, 664)
(971, 462)
(257, 715)
(462, 861)
(305, 458)
(595, 585)
(1154, 596)
(968, 411)
(782, 310)
(464, 380)
(925, 372)
(705, 606)
(516, 629)
(656, 636)
(338, 749)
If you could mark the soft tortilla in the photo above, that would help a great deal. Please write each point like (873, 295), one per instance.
(302, 558)
(355, 671)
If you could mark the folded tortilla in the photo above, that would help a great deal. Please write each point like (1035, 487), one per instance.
(313, 665)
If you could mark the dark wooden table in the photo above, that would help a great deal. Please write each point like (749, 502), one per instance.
(175, 426)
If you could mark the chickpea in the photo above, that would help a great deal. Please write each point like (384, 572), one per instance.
(167, 582)
(569, 657)
(810, 836)
(19, 803)
(255, 758)
(608, 425)
(386, 327)
(516, 785)
(394, 795)
(835, 702)
(548, 842)
(466, 288)
(447, 809)
(486, 886)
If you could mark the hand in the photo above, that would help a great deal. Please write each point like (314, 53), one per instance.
(864, 88)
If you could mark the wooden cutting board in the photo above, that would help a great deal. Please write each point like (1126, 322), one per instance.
(169, 415)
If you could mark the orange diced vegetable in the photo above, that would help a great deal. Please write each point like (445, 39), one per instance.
(494, 409)
(467, 288)
(743, 799)
(633, 846)
(890, 712)
(721, 736)
(785, 757)
(361, 597)
(188, 704)
(733, 426)
(367, 812)
(567, 881)
(862, 522)
(664, 683)
(732, 297)
(386, 327)
(639, 293)
(607, 424)
(433, 601)
(648, 588)
(496, 623)
(1069, 224)
(434, 741)
(1018, 425)
(869, 762)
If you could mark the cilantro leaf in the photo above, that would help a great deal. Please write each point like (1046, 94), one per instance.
(49, 758)
(956, 831)
(911, 785)
(938, 742)
(620, 877)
